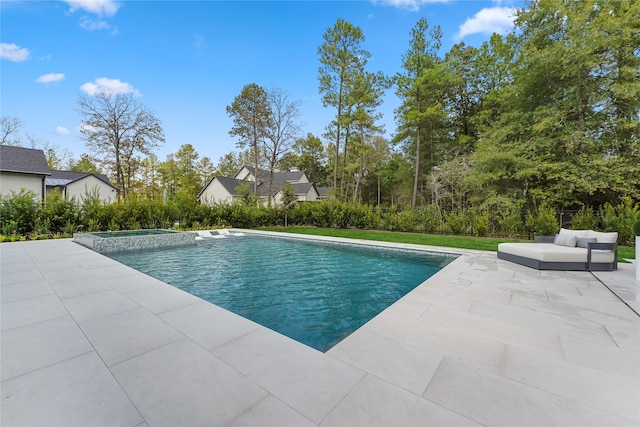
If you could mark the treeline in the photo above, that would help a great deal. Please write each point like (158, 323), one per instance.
(548, 114)
(21, 217)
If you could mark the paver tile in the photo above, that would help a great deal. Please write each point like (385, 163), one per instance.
(41, 344)
(546, 322)
(76, 285)
(164, 298)
(20, 276)
(615, 360)
(125, 335)
(497, 330)
(183, 384)
(209, 325)
(398, 363)
(374, 402)
(609, 392)
(271, 412)
(98, 304)
(30, 310)
(76, 392)
(9, 293)
(494, 400)
(478, 351)
(303, 378)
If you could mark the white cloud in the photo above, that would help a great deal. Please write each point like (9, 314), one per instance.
(92, 25)
(13, 52)
(50, 78)
(488, 21)
(112, 86)
(61, 130)
(411, 5)
(96, 7)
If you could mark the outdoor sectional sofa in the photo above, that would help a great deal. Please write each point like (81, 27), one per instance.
(577, 250)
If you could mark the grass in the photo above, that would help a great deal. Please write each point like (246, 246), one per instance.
(448, 241)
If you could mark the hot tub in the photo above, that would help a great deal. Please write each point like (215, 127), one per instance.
(114, 241)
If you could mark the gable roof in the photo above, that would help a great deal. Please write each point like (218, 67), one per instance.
(63, 178)
(278, 177)
(23, 160)
(229, 184)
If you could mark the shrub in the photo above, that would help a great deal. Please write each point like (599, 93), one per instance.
(584, 219)
(20, 211)
(636, 225)
(542, 222)
(620, 218)
(479, 223)
(58, 212)
(404, 220)
(429, 218)
(456, 222)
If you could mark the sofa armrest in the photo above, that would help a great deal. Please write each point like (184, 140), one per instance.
(543, 239)
(607, 246)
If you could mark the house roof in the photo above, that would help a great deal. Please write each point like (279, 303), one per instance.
(23, 160)
(303, 188)
(324, 191)
(63, 178)
(278, 177)
(229, 184)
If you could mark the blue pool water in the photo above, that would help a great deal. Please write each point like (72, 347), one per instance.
(314, 292)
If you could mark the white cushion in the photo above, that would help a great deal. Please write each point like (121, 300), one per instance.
(576, 233)
(549, 252)
(604, 237)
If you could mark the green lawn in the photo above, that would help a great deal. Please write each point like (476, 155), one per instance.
(462, 242)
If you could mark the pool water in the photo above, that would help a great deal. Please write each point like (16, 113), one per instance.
(314, 292)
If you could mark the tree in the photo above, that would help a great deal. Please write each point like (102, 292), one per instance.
(569, 122)
(150, 177)
(205, 171)
(365, 97)
(288, 200)
(55, 155)
(341, 54)
(421, 111)
(117, 128)
(9, 128)
(231, 163)
(85, 164)
(282, 129)
(250, 114)
(186, 162)
(309, 155)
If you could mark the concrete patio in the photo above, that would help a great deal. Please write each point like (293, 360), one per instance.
(86, 341)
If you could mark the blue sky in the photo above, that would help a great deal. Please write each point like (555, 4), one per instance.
(187, 60)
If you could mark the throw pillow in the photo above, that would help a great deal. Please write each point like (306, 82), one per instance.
(569, 241)
(583, 242)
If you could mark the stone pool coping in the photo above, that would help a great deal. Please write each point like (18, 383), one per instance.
(88, 341)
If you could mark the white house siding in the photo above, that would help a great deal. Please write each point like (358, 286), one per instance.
(245, 174)
(215, 193)
(88, 185)
(10, 181)
(309, 196)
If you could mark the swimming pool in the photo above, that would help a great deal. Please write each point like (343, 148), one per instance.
(312, 291)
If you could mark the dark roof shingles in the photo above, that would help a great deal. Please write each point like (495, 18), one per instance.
(23, 160)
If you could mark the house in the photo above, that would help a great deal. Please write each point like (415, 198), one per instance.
(79, 184)
(224, 190)
(23, 168)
